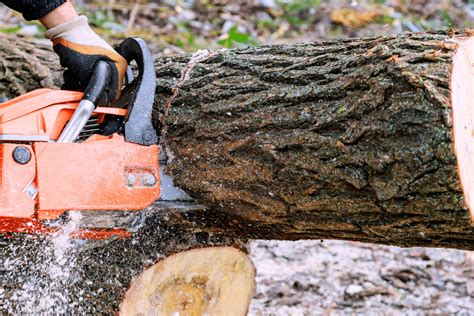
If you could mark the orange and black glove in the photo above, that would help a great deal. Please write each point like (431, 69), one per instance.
(79, 49)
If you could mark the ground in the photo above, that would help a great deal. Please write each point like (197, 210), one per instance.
(307, 277)
(346, 278)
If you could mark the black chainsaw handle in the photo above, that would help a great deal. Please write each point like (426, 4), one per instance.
(139, 94)
(99, 81)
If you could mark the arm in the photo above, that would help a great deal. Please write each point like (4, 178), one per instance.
(33, 9)
(60, 14)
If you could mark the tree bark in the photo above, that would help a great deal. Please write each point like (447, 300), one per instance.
(26, 65)
(349, 139)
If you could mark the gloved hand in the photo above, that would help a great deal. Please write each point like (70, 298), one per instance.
(79, 48)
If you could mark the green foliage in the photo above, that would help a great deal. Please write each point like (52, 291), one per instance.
(10, 29)
(384, 19)
(41, 28)
(185, 39)
(32, 28)
(100, 19)
(448, 21)
(269, 24)
(234, 36)
(293, 10)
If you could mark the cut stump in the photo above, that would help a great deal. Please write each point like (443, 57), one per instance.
(206, 281)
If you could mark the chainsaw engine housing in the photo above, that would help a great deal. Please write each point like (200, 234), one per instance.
(41, 177)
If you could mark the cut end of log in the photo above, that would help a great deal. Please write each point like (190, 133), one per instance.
(462, 96)
(207, 281)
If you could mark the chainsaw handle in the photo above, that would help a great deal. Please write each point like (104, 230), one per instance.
(94, 92)
(99, 82)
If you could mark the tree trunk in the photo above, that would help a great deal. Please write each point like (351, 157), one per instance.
(350, 139)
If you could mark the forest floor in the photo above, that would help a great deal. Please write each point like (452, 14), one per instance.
(348, 278)
(307, 277)
(176, 26)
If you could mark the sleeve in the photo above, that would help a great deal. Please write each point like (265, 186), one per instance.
(33, 9)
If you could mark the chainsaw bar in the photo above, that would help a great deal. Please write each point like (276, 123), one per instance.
(172, 199)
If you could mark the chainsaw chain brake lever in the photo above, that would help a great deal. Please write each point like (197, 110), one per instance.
(139, 94)
(92, 95)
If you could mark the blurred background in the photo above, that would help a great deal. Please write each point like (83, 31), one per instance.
(305, 277)
(187, 25)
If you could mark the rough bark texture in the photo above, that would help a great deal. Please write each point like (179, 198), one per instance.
(347, 139)
(25, 66)
(340, 140)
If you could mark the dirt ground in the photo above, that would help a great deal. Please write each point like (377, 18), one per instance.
(349, 278)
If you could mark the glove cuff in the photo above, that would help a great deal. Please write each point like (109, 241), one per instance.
(78, 31)
(64, 28)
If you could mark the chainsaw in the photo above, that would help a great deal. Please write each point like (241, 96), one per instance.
(61, 153)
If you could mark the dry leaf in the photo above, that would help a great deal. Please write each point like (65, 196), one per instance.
(352, 18)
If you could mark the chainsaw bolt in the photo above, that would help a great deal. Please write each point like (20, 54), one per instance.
(21, 155)
(131, 180)
(147, 137)
(149, 180)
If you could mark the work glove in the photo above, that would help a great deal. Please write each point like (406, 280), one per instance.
(79, 49)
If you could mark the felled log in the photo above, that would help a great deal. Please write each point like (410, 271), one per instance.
(360, 139)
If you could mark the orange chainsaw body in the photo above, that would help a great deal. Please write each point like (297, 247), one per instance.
(99, 173)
